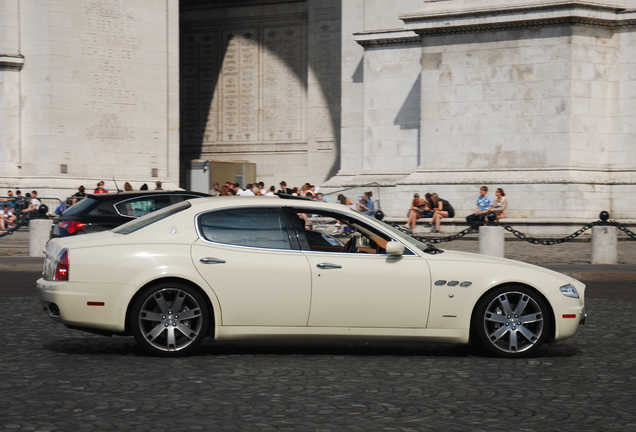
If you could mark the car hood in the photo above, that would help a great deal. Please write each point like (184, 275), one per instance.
(464, 257)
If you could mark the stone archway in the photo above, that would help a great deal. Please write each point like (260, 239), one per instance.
(260, 83)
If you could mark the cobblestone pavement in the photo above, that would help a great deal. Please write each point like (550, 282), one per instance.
(56, 379)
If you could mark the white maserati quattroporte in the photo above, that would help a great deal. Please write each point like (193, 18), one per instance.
(275, 268)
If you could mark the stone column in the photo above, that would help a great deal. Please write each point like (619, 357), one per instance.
(39, 232)
(491, 241)
(11, 62)
(604, 245)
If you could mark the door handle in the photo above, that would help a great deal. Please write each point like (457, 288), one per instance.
(328, 266)
(212, 261)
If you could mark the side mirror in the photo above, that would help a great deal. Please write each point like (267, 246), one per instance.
(394, 248)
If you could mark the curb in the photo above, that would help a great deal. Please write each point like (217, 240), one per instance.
(597, 273)
(21, 264)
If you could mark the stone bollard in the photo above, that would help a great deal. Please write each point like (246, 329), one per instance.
(491, 240)
(604, 245)
(39, 232)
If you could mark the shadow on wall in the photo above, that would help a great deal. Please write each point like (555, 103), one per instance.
(203, 59)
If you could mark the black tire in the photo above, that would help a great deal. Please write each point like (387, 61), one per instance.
(511, 321)
(169, 319)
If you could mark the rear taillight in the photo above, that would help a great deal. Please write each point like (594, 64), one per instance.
(71, 226)
(62, 266)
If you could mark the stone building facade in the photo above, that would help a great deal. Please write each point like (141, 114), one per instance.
(89, 92)
(535, 96)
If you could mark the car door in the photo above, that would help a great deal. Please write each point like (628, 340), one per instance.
(246, 256)
(359, 285)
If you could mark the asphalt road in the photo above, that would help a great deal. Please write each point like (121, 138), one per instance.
(18, 284)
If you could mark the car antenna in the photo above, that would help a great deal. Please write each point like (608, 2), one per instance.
(114, 181)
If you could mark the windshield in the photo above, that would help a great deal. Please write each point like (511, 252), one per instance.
(423, 246)
(151, 218)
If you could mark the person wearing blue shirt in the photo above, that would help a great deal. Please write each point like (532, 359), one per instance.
(366, 205)
(484, 206)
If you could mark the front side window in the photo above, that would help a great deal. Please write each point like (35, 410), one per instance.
(325, 231)
(253, 227)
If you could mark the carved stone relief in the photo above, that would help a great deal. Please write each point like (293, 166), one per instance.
(110, 44)
(243, 84)
(109, 127)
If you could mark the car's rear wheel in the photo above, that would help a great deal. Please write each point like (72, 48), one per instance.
(169, 319)
(511, 322)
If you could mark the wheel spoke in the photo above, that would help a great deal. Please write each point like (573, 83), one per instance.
(189, 314)
(161, 302)
(498, 334)
(529, 334)
(171, 341)
(151, 316)
(513, 343)
(531, 318)
(505, 304)
(154, 332)
(495, 318)
(187, 331)
(177, 303)
(521, 306)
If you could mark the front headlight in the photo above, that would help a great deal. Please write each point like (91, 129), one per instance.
(569, 290)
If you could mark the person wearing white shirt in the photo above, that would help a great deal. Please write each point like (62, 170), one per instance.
(247, 191)
(7, 218)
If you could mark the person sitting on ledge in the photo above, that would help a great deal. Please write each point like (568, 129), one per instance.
(442, 209)
(484, 206)
(501, 203)
(419, 208)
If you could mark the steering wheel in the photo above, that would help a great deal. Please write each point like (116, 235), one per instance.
(352, 244)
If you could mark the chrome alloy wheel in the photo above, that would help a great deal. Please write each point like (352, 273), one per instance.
(514, 322)
(169, 320)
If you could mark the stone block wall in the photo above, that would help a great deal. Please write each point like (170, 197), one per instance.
(97, 86)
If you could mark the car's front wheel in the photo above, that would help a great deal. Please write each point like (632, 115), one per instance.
(169, 319)
(511, 322)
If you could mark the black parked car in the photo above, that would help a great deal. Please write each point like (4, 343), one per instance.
(102, 212)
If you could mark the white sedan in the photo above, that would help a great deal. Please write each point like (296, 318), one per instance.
(274, 268)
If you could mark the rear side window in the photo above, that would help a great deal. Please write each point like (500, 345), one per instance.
(149, 219)
(254, 227)
(137, 207)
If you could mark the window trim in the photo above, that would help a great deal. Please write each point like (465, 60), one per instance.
(197, 225)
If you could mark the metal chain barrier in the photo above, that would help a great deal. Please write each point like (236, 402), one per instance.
(547, 242)
(623, 228)
(603, 221)
(446, 239)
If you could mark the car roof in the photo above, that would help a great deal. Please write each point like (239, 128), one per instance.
(261, 201)
(134, 194)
